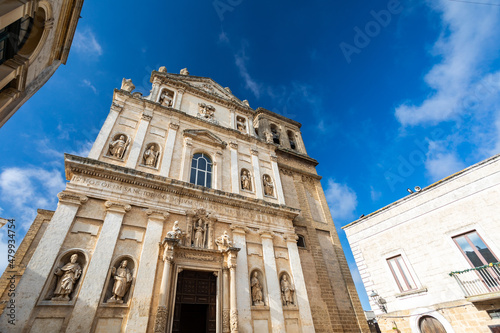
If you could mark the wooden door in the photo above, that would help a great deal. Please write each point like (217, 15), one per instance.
(430, 324)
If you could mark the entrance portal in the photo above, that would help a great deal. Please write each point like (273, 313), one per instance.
(195, 302)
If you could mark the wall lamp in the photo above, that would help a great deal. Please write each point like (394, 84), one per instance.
(379, 301)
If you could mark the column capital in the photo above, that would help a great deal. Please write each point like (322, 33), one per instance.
(181, 91)
(72, 198)
(233, 145)
(117, 207)
(291, 238)
(146, 116)
(266, 234)
(168, 245)
(117, 106)
(274, 158)
(157, 214)
(236, 229)
(173, 126)
(254, 151)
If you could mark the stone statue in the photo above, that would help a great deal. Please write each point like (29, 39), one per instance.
(206, 111)
(151, 156)
(245, 181)
(269, 137)
(176, 232)
(199, 236)
(268, 186)
(117, 148)
(123, 278)
(184, 71)
(286, 291)
(223, 242)
(256, 290)
(165, 99)
(127, 85)
(69, 274)
(240, 124)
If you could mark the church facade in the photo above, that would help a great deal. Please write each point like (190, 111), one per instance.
(192, 213)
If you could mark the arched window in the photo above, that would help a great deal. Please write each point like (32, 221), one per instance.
(201, 170)
(428, 324)
(13, 38)
(291, 138)
(275, 133)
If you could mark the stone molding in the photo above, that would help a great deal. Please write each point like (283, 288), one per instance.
(147, 117)
(157, 214)
(161, 319)
(254, 151)
(233, 145)
(292, 238)
(173, 126)
(266, 234)
(117, 207)
(274, 158)
(72, 198)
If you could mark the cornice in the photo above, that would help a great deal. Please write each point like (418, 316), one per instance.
(299, 171)
(76, 165)
(261, 110)
(297, 155)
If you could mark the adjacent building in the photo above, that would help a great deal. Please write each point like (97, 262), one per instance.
(192, 213)
(35, 38)
(430, 261)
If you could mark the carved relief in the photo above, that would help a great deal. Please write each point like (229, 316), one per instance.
(206, 111)
(118, 146)
(122, 279)
(246, 181)
(127, 85)
(68, 276)
(256, 286)
(161, 319)
(287, 290)
(176, 232)
(201, 229)
(225, 321)
(223, 242)
(234, 321)
(151, 155)
(268, 185)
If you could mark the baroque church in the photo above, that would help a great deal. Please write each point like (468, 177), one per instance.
(192, 213)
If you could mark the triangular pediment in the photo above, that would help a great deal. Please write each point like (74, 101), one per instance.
(205, 136)
(208, 85)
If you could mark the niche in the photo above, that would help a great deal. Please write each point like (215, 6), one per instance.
(246, 180)
(66, 277)
(166, 98)
(257, 288)
(118, 287)
(151, 155)
(291, 138)
(118, 146)
(287, 290)
(275, 134)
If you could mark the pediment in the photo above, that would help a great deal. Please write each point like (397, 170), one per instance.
(205, 136)
(208, 85)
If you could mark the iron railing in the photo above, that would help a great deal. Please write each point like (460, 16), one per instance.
(479, 280)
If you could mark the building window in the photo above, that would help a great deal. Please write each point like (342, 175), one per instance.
(301, 242)
(428, 324)
(275, 134)
(401, 274)
(291, 138)
(201, 170)
(475, 249)
(13, 37)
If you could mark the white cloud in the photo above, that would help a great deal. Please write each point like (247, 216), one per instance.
(83, 150)
(341, 199)
(375, 195)
(241, 60)
(87, 83)
(467, 44)
(86, 43)
(440, 162)
(223, 37)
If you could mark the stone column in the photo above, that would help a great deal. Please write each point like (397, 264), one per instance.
(277, 179)
(169, 150)
(156, 89)
(256, 173)
(85, 308)
(141, 299)
(217, 174)
(235, 183)
(306, 320)
(231, 263)
(178, 99)
(135, 150)
(105, 132)
(225, 301)
(273, 284)
(186, 160)
(168, 260)
(31, 284)
(243, 292)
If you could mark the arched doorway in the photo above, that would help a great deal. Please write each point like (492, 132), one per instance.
(428, 324)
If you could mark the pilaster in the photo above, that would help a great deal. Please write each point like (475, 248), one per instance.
(243, 299)
(169, 150)
(141, 299)
(135, 151)
(85, 308)
(277, 180)
(256, 171)
(235, 183)
(273, 284)
(105, 131)
(178, 99)
(31, 283)
(186, 159)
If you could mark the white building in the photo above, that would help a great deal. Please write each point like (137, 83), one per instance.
(419, 257)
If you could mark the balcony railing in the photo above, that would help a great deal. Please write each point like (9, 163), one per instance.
(479, 280)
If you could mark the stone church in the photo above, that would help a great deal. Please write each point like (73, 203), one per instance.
(192, 213)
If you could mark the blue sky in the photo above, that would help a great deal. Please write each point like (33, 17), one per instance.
(410, 99)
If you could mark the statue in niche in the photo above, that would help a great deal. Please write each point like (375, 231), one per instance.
(269, 137)
(240, 124)
(68, 274)
(123, 279)
(199, 235)
(287, 291)
(268, 186)
(256, 290)
(223, 242)
(176, 232)
(117, 148)
(245, 181)
(166, 99)
(151, 156)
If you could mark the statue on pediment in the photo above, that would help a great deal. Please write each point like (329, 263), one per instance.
(68, 275)
(123, 278)
(223, 242)
(176, 232)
